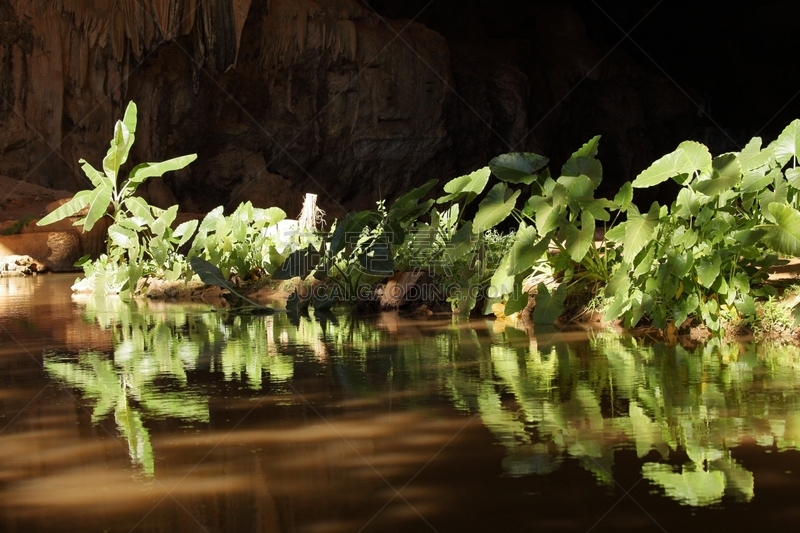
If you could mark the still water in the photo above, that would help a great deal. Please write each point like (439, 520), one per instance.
(165, 417)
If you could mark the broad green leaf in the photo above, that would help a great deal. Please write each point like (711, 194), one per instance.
(755, 180)
(680, 311)
(597, 208)
(784, 236)
(98, 206)
(118, 151)
(271, 215)
(526, 250)
(688, 203)
(469, 185)
(211, 220)
(78, 202)
(493, 209)
(407, 205)
(578, 242)
(616, 234)
(130, 117)
(787, 146)
(184, 231)
(698, 154)
(518, 167)
(324, 301)
(645, 265)
(672, 165)
(462, 243)
(140, 208)
(749, 237)
(502, 280)
(149, 170)
(164, 221)
(589, 148)
(620, 282)
(727, 175)
(548, 306)
(582, 165)
(638, 307)
(708, 271)
(625, 196)
(619, 305)
(753, 157)
(684, 238)
(97, 178)
(580, 186)
(747, 306)
(209, 273)
(547, 217)
(681, 263)
(639, 231)
(778, 194)
(518, 299)
(347, 228)
(123, 237)
(793, 177)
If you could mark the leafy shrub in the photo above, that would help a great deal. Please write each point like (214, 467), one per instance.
(141, 240)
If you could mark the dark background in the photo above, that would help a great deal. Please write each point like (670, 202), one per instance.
(272, 118)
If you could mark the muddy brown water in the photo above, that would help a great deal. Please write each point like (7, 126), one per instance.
(165, 417)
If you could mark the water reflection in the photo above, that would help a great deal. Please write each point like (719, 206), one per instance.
(282, 423)
(682, 410)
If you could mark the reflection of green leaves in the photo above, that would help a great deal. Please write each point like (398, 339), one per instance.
(688, 487)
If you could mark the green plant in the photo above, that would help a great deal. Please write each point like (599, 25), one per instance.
(556, 227)
(357, 248)
(709, 252)
(140, 240)
(246, 241)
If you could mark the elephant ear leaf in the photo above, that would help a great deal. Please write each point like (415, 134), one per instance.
(209, 273)
(787, 146)
(549, 306)
(676, 165)
(498, 204)
(589, 148)
(469, 186)
(518, 167)
(784, 235)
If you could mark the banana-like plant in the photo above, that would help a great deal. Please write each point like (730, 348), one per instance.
(140, 238)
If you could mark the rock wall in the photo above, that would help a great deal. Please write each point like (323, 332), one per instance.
(283, 97)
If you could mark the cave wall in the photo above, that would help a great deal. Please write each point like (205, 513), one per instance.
(282, 97)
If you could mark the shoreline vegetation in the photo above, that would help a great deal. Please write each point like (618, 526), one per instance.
(511, 239)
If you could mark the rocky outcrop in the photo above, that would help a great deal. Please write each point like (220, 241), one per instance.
(283, 97)
(27, 248)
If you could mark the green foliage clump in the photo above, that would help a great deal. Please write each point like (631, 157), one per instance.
(704, 256)
(141, 240)
(708, 253)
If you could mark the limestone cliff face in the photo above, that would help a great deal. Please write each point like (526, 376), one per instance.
(304, 96)
(282, 97)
